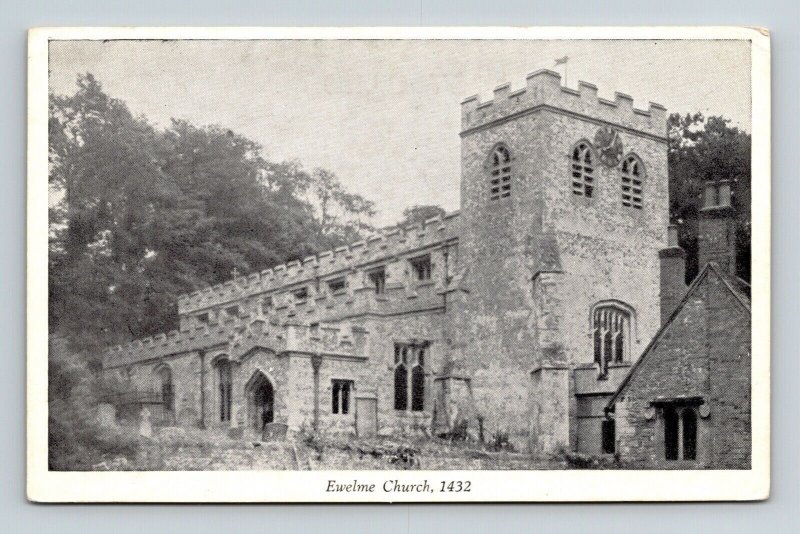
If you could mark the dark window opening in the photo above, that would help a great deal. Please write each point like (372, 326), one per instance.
(631, 182)
(400, 388)
(300, 295)
(167, 392)
(500, 173)
(417, 388)
(409, 367)
(689, 423)
(670, 434)
(608, 435)
(341, 390)
(338, 286)
(377, 280)
(203, 318)
(232, 311)
(582, 171)
(598, 349)
(422, 268)
(266, 305)
(225, 389)
(619, 354)
(680, 433)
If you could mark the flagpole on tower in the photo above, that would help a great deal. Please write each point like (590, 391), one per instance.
(563, 61)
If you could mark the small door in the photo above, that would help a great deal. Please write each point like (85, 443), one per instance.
(261, 401)
(366, 416)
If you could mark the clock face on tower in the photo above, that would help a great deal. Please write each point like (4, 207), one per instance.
(608, 143)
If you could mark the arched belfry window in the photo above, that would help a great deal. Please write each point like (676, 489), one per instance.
(500, 173)
(632, 175)
(611, 334)
(582, 166)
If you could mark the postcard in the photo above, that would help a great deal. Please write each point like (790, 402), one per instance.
(398, 264)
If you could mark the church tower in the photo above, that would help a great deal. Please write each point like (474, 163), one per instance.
(564, 209)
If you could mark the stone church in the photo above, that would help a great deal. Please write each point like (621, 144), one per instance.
(521, 313)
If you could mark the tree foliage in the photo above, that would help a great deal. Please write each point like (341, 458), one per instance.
(419, 213)
(140, 215)
(703, 149)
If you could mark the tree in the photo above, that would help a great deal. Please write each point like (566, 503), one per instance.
(343, 215)
(104, 172)
(140, 215)
(703, 149)
(420, 213)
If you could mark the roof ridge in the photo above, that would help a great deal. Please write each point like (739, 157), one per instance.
(660, 332)
(709, 267)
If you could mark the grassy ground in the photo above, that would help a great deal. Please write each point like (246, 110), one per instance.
(176, 449)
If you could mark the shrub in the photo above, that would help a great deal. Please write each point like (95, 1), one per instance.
(76, 441)
(501, 442)
(576, 460)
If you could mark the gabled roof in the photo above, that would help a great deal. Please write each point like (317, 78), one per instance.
(738, 288)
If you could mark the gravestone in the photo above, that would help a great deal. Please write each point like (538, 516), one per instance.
(145, 426)
(106, 415)
(236, 430)
(274, 432)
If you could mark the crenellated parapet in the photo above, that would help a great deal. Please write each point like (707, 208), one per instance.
(239, 338)
(544, 90)
(343, 261)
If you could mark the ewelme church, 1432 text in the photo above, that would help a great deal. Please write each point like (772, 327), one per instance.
(552, 307)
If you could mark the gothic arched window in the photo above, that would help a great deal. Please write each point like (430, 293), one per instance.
(582, 166)
(224, 379)
(409, 368)
(611, 326)
(500, 173)
(400, 377)
(632, 174)
(167, 391)
(418, 381)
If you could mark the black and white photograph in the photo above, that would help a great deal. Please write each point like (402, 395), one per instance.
(394, 263)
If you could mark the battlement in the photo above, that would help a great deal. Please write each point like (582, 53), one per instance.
(544, 90)
(386, 245)
(238, 338)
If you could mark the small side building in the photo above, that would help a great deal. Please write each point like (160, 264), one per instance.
(686, 402)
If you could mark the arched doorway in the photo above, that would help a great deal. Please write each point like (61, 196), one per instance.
(260, 401)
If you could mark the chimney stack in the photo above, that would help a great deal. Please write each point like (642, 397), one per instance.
(673, 273)
(716, 236)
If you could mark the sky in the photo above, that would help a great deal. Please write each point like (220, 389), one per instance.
(385, 115)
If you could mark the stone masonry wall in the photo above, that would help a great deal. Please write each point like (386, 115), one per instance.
(705, 352)
(499, 329)
(729, 335)
(607, 251)
(391, 249)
